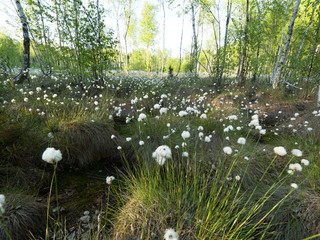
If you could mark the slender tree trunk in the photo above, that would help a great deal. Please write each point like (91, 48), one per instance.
(259, 42)
(128, 14)
(318, 102)
(286, 45)
(57, 20)
(225, 42)
(244, 54)
(26, 46)
(239, 58)
(181, 38)
(194, 38)
(163, 35)
(303, 41)
(275, 67)
(99, 41)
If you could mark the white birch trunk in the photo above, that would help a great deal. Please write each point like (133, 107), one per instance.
(286, 46)
(163, 35)
(26, 45)
(194, 39)
(244, 54)
(225, 41)
(275, 67)
(181, 38)
(304, 39)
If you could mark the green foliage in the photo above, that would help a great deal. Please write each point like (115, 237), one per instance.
(148, 25)
(10, 54)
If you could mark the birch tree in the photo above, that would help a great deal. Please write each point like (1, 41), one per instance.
(181, 37)
(279, 51)
(195, 46)
(148, 29)
(259, 40)
(26, 46)
(286, 46)
(244, 53)
(303, 41)
(229, 5)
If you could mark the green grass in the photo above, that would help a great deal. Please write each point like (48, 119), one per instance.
(198, 196)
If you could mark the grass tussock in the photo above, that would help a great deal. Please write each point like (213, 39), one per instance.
(23, 217)
(86, 143)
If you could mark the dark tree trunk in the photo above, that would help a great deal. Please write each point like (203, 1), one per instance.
(26, 46)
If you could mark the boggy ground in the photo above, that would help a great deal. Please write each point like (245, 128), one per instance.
(202, 191)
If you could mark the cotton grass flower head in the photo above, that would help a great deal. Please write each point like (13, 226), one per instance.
(161, 154)
(51, 155)
(227, 150)
(242, 141)
(185, 134)
(163, 110)
(2, 203)
(296, 152)
(141, 117)
(281, 151)
(294, 185)
(109, 179)
(170, 234)
(305, 162)
(295, 167)
(185, 154)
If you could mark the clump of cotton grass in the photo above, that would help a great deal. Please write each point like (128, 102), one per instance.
(281, 151)
(161, 154)
(227, 150)
(142, 117)
(185, 154)
(241, 141)
(170, 234)
(305, 162)
(51, 155)
(109, 179)
(295, 167)
(185, 134)
(294, 185)
(2, 204)
(296, 152)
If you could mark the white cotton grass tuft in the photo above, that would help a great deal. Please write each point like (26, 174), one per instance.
(294, 185)
(142, 117)
(281, 151)
(296, 152)
(161, 154)
(185, 134)
(51, 155)
(295, 167)
(242, 141)
(185, 154)
(227, 150)
(2, 203)
(305, 162)
(109, 179)
(170, 234)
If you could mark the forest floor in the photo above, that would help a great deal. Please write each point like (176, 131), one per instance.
(220, 176)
